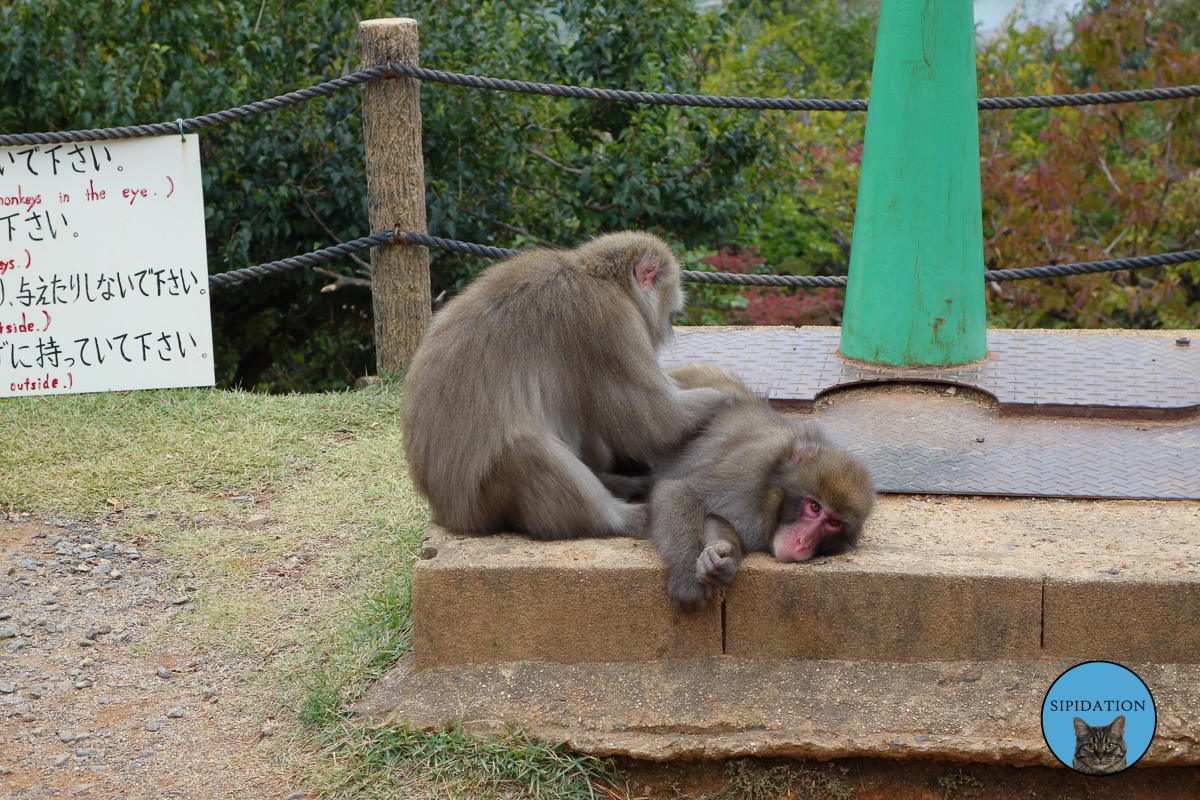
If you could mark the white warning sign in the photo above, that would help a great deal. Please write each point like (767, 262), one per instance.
(103, 271)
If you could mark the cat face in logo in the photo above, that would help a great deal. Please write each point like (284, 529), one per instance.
(1099, 749)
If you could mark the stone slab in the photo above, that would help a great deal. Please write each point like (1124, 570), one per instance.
(577, 630)
(775, 611)
(1101, 620)
(726, 707)
(938, 578)
(507, 598)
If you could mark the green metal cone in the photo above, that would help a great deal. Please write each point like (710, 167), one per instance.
(915, 290)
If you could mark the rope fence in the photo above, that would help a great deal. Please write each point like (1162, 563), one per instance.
(329, 88)
(776, 104)
(690, 276)
(182, 126)
(390, 70)
(337, 251)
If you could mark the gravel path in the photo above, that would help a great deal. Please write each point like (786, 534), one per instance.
(100, 695)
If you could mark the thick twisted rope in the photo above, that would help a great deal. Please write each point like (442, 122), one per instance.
(622, 96)
(337, 251)
(1092, 267)
(306, 260)
(725, 278)
(1057, 271)
(177, 127)
(782, 103)
(558, 90)
(1091, 98)
(737, 279)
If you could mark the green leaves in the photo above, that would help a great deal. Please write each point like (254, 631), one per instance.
(1087, 184)
(564, 170)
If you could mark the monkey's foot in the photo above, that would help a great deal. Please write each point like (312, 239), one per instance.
(717, 564)
(627, 487)
(688, 596)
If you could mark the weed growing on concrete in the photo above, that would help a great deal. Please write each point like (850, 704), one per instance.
(959, 784)
(750, 779)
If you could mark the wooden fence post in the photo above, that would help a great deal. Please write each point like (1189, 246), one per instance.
(395, 191)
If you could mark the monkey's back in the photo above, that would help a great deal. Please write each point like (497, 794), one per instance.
(504, 360)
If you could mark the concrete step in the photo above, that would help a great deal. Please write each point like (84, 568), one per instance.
(938, 579)
(725, 707)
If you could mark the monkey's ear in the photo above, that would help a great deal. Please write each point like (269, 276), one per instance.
(785, 470)
(784, 474)
(801, 454)
(644, 271)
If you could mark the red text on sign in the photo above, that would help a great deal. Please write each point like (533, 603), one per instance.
(41, 384)
(11, 263)
(21, 199)
(24, 326)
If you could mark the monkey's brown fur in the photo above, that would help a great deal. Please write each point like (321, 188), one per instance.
(531, 383)
(737, 485)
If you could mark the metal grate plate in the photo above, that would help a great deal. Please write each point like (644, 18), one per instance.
(1028, 372)
(930, 443)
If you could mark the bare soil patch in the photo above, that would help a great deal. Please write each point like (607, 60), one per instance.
(100, 693)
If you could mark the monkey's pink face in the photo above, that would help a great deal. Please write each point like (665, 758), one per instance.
(798, 540)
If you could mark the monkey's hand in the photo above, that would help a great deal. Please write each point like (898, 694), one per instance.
(717, 564)
(702, 404)
(687, 594)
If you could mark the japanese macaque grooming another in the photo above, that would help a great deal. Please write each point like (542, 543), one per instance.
(537, 382)
(751, 480)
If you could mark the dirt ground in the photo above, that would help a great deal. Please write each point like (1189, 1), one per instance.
(100, 693)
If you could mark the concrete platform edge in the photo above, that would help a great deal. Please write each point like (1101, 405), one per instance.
(716, 708)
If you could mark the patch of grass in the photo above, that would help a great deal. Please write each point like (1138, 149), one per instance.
(398, 762)
(378, 634)
(70, 454)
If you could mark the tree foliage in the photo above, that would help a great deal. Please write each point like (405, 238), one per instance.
(1097, 182)
(1058, 185)
(822, 48)
(559, 171)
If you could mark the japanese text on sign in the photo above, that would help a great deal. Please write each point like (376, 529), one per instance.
(103, 276)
